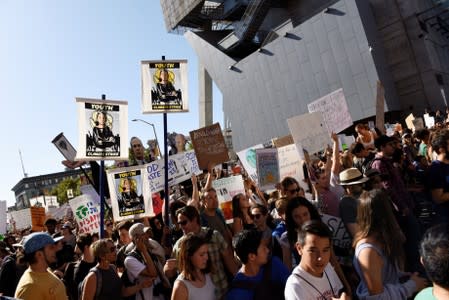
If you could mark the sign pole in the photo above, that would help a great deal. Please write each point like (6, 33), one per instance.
(166, 191)
(103, 97)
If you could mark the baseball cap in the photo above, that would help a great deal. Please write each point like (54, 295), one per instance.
(38, 240)
(136, 230)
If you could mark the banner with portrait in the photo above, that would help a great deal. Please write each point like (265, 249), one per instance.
(130, 195)
(164, 86)
(102, 129)
(87, 213)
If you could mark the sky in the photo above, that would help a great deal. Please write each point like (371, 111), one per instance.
(54, 51)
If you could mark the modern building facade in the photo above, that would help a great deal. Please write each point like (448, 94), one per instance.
(29, 188)
(270, 58)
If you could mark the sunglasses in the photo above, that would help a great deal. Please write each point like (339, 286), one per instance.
(256, 216)
(183, 223)
(297, 190)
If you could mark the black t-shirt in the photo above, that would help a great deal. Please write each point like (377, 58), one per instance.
(82, 271)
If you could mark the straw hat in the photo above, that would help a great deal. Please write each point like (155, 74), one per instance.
(352, 176)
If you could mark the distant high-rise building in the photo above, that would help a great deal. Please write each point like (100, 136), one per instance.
(270, 58)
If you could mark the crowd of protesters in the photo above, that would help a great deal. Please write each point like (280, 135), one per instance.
(391, 194)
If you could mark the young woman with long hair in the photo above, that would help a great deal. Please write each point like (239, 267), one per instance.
(378, 251)
(241, 213)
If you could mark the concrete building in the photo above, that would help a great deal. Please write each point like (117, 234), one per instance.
(271, 58)
(29, 188)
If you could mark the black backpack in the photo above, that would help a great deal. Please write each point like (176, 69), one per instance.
(266, 289)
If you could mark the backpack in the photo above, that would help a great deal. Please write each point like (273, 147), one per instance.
(99, 284)
(125, 277)
(266, 289)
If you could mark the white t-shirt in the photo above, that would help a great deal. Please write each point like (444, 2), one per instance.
(297, 288)
(134, 267)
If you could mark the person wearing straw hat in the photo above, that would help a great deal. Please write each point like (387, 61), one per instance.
(352, 181)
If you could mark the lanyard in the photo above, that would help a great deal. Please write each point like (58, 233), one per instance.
(322, 296)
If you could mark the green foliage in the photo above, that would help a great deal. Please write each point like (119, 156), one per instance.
(61, 189)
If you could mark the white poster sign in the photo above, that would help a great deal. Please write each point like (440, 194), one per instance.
(248, 159)
(227, 188)
(3, 217)
(430, 121)
(180, 167)
(102, 129)
(21, 218)
(164, 86)
(87, 213)
(309, 132)
(334, 109)
(290, 164)
(130, 194)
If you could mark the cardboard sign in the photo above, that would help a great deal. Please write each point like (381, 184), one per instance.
(130, 194)
(37, 218)
(209, 145)
(283, 141)
(181, 167)
(334, 109)
(64, 146)
(409, 122)
(3, 216)
(227, 188)
(380, 106)
(87, 213)
(102, 129)
(164, 86)
(248, 159)
(309, 132)
(267, 168)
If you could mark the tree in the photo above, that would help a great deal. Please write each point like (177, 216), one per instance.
(61, 189)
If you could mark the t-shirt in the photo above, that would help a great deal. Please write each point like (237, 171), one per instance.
(438, 178)
(279, 273)
(310, 287)
(426, 294)
(348, 209)
(134, 267)
(40, 286)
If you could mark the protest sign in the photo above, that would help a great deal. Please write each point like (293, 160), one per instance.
(380, 106)
(87, 213)
(21, 218)
(267, 168)
(290, 164)
(283, 141)
(130, 194)
(341, 237)
(309, 132)
(181, 167)
(248, 159)
(209, 145)
(345, 141)
(102, 129)
(409, 122)
(418, 123)
(227, 188)
(64, 146)
(429, 121)
(3, 217)
(334, 110)
(164, 86)
(37, 218)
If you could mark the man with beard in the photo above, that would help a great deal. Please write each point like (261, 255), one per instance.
(438, 179)
(38, 283)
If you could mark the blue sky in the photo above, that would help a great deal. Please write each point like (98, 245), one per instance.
(54, 51)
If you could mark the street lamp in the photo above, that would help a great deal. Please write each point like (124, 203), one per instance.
(154, 130)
